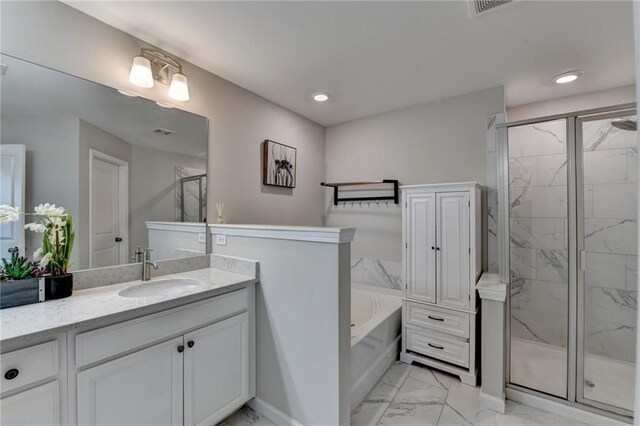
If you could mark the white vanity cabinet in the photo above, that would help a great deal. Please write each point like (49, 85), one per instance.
(192, 365)
(33, 383)
(442, 236)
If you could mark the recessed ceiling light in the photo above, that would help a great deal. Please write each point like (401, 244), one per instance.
(320, 97)
(567, 77)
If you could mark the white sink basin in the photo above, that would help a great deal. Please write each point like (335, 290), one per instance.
(161, 287)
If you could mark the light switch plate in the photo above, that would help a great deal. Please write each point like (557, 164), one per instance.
(221, 240)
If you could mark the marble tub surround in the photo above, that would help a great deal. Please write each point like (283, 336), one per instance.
(104, 304)
(376, 272)
(90, 278)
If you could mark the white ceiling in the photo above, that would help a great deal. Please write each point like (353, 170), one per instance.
(33, 90)
(379, 56)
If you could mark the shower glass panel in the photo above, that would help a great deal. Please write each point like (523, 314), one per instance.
(539, 290)
(608, 271)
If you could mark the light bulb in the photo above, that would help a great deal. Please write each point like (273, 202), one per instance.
(141, 75)
(179, 89)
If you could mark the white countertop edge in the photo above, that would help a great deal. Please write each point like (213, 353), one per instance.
(489, 287)
(296, 233)
(470, 184)
(190, 227)
(143, 309)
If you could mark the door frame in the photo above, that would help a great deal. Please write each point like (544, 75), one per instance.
(581, 285)
(123, 202)
(19, 152)
(574, 197)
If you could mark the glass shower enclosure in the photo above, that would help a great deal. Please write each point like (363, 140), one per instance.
(571, 221)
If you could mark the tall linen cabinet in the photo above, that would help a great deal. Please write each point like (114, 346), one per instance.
(442, 261)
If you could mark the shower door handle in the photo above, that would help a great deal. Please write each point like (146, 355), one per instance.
(583, 260)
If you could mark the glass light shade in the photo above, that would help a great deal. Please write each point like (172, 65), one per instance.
(141, 72)
(179, 89)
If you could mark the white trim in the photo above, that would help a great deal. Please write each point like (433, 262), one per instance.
(123, 211)
(489, 287)
(492, 402)
(272, 413)
(439, 186)
(561, 409)
(188, 227)
(295, 233)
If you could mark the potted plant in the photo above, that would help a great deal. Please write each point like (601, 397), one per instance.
(54, 254)
(18, 286)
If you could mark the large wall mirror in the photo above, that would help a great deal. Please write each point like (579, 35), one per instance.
(131, 172)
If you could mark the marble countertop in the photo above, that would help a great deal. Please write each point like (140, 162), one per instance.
(105, 304)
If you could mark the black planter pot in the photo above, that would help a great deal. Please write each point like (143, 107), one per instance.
(58, 287)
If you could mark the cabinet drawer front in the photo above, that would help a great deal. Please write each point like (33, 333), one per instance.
(442, 320)
(32, 364)
(109, 341)
(36, 406)
(438, 346)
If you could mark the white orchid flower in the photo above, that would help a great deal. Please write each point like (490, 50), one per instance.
(35, 227)
(49, 210)
(37, 255)
(8, 214)
(44, 262)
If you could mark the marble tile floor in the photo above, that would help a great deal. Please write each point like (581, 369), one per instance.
(416, 395)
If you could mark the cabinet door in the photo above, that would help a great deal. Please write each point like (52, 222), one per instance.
(144, 388)
(37, 406)
(216, 368)
(421, 240)
(453, 249)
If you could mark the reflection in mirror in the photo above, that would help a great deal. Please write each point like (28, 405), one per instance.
(131, 172)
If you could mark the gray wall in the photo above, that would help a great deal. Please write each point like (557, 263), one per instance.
(56, 35)
(52, 163)
(442, 141)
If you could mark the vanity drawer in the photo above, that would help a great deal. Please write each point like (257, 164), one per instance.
(107, 342)
(442, 320)
(29, 365)
(438, 346)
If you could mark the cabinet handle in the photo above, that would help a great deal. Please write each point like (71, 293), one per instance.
(180, 348)
(435, 346)
(190, 343)
(11, 374)
(438, 248)
(435, 318)
(433, 248)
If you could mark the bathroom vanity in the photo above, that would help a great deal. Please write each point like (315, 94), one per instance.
(178, 349)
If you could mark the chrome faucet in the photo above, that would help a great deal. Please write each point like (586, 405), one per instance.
(147, 264)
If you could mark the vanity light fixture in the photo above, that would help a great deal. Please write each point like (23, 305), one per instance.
(153, 65)
(320, 97)
(567, 77)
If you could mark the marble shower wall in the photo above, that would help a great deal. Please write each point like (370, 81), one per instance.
(610, 209)
(538, 232)
(376, 272)
(191, 195)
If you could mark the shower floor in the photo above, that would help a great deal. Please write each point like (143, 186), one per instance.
(544, 367)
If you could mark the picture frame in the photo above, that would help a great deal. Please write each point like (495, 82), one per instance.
(279, 164)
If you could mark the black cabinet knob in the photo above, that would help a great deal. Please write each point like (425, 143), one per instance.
(118, 239)
(190, 343)
(11, 374)
(180, 348)
(433, 248)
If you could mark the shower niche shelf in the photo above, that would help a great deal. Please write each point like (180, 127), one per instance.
(377, 190)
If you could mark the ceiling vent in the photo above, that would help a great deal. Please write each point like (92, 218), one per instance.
(480, 7)
(164, 132)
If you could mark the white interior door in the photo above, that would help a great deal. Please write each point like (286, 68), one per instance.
(108, 206)
(421, 241)
(453, 280)
(12, 186)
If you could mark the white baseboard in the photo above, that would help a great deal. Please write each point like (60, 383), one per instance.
(561, 409)
(492, 402)
(272, 413)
